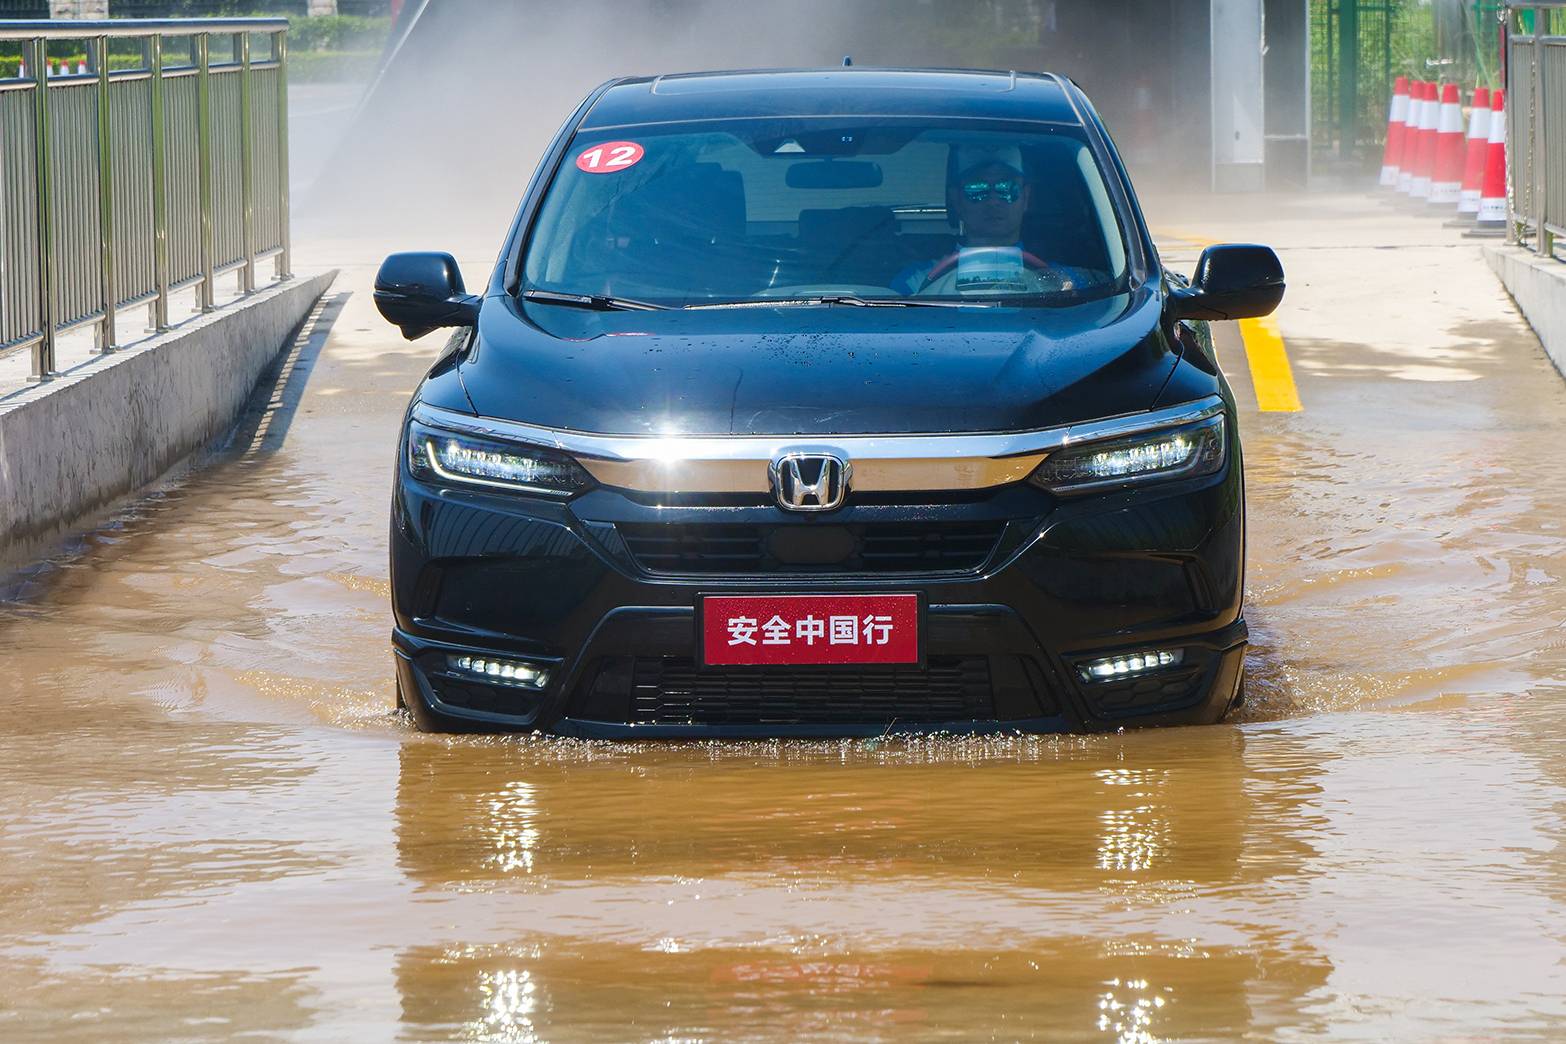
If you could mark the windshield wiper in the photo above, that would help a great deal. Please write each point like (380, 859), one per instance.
(597, 302)
(841, 299)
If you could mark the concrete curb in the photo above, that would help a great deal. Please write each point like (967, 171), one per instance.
(1538, 285)
(73, 445)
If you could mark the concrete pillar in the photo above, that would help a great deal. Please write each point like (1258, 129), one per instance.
(1239, 144)
(322, 7)
(78, 8)
(1190, 65)
(1286, 71)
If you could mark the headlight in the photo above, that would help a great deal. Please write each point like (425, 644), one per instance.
(1189, 451)
(471, 461)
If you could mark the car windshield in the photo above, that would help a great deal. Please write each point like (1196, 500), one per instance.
(853, 210)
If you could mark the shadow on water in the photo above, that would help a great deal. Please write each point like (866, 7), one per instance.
(264, 425)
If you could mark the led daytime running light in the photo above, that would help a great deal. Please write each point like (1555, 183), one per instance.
(468, 461)
(1194, 450)
(1127, 664)
(511, 673)
(455, 457)
(1133, 460)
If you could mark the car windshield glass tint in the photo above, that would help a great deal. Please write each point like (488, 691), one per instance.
(802, 209)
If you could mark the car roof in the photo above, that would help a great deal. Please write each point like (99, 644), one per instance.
(974, 94)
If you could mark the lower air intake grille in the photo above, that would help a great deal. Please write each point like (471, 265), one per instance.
(673, 691)
(483, 697)
(878, 547)
(1165, 690)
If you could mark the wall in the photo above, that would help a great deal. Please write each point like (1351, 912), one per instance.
(1538, 285)
(74, 445)
(1286, 79)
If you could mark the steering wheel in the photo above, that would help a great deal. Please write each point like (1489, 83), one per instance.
(1030, 262)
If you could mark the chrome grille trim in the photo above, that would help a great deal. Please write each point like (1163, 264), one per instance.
(881, 463)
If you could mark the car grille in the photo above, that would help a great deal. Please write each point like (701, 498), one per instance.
(881, 547)
(671, 690)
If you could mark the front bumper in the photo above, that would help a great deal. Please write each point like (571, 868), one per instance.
(556, 584)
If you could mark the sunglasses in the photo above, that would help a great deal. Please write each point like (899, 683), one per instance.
(1007, 190)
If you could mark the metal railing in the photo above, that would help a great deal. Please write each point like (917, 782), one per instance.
(158, 168)
(1536, 123)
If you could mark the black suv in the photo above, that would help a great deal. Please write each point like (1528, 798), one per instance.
(823, 402)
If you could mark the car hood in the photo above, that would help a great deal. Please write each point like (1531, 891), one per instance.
(817, 370)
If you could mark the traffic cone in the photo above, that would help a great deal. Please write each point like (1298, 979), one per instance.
(1492, 198)
(81, 67)
(1393, 154)
(1405, 167)
(1478, 147)
(1424, 165)
(1447, 180)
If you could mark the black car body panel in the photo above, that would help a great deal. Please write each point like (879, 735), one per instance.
(836, 92)
(479, 572)
(754, 370)
(1025, 585)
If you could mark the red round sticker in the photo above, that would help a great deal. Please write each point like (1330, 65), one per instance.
(610, 157)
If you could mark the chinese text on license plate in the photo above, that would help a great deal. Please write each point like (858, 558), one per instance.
(806, 629)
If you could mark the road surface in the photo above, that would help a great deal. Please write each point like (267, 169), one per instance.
(214, 824)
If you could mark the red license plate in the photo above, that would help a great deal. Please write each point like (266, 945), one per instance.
(810, 629)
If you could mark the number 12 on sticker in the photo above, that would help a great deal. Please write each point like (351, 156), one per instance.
(610, 157)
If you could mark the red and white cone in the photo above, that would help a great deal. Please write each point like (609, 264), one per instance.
(1492, 198)
(81, 67)
(1478, 146)
(1396, 118)
(1405, 167)
(1424, 163)
(1447, 180)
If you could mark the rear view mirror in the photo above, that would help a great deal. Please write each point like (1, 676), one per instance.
(834, 174)
(420, 291)
(1233, 281)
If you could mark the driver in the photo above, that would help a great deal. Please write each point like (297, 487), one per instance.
(988, 195)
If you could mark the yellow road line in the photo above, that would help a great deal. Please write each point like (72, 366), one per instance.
(1185, 237)
(1271, 374)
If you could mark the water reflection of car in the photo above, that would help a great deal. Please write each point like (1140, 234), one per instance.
(1159, 890)
(823, 402)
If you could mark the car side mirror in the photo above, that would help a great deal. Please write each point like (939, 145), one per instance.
(1233, 281)
(420, 291)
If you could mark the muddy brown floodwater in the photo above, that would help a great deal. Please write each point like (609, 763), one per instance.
(213, 825)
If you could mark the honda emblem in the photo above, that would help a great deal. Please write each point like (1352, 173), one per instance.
(810, 481)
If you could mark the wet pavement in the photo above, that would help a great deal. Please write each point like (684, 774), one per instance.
(215, 825)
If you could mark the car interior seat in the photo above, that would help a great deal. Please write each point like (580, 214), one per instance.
(856, 245)
(686, 230)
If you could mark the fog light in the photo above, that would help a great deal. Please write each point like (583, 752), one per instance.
(1129, 664)
(514, 673)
